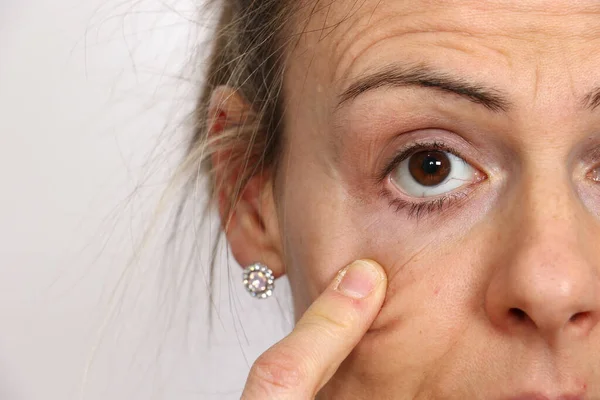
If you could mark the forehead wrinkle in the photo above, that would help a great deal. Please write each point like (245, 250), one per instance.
(355, 48)
(351, 45)
(346, 40)
(471, 50)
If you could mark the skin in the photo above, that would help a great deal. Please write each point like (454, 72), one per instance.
(497, 294)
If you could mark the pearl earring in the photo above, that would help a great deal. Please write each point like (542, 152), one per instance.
(259, 280)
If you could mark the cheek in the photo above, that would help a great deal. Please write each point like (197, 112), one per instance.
(335, 228)
(332, 229)
(436, 279)
(321, 234)
(432, 317)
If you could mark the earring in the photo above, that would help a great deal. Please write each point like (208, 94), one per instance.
(259, 280)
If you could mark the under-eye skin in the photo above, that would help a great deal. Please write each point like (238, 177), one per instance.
(429, 177)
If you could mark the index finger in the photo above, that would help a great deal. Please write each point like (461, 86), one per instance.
(299, 365)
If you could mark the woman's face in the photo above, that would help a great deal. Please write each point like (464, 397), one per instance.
(458, 145)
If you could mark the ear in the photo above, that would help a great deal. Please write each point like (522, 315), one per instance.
(250, 223)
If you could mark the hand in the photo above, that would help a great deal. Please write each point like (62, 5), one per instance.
(301, 364)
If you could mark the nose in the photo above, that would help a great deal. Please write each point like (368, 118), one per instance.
(545, 281)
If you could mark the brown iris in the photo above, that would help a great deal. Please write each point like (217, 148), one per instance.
(429, 168)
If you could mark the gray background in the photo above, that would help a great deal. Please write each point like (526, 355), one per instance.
(93, 102)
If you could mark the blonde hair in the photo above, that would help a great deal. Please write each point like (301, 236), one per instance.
(249, 47)
(247, 55)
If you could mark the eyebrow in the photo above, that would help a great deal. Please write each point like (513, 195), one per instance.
(592, 100)
(425, 77)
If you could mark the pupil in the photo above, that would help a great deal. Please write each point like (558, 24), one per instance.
(431, 165)
(429, 168)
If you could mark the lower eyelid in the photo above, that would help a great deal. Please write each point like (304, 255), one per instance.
(417, 209)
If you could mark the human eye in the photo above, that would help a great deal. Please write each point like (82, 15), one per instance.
(430, 177)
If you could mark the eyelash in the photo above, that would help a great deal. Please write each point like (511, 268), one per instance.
(418, 209)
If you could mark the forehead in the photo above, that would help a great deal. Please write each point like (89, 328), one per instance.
(341, 39)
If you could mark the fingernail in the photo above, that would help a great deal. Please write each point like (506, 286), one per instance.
(358, 279)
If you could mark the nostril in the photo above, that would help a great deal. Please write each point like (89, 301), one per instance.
(580, 317)
(518, 314)
(583, 321)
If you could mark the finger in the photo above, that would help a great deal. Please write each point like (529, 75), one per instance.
(299, 365)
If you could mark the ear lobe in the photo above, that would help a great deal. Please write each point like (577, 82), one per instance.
(250, 219)
(253, 232)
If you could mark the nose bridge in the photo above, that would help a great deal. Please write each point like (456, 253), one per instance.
(545, 205)
(546, 278)
(548, 200)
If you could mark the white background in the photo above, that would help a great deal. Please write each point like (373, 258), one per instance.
(93, 102)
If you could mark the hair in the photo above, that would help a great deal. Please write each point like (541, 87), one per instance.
(247, 55)
(248, 49)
